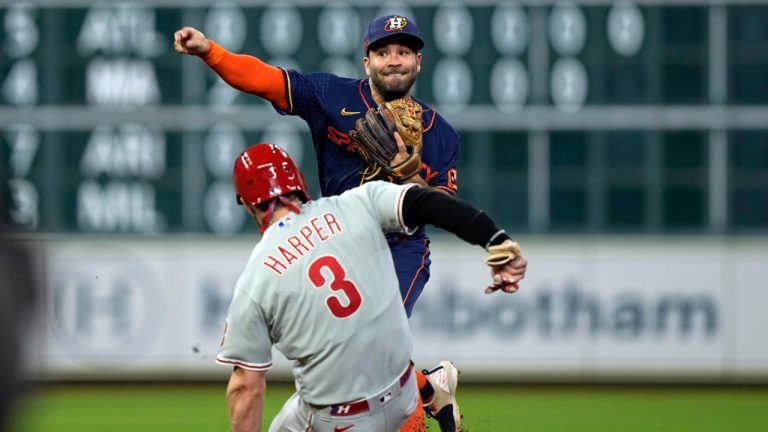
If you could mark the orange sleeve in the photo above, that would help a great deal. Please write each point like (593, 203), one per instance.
(248, 74)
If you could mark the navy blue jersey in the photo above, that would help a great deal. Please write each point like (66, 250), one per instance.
(330, 105)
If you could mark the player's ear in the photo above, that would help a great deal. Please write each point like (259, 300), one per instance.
(367, 65)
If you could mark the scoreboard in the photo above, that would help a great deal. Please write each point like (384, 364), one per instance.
(577, 116)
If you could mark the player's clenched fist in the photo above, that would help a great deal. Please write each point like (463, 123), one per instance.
(189, 40)
(508, 267)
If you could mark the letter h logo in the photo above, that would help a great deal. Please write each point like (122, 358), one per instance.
(340, 409)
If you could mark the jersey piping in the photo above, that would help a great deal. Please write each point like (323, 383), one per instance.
(418, 272)
(245, 365)
(400, 221)
(362, 94)
(288, 90)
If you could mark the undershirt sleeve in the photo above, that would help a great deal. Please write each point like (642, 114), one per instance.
(248, 74)
(426, 206)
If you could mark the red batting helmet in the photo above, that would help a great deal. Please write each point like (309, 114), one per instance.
(265, 171)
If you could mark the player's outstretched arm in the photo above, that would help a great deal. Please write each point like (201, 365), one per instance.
(191, 41)
(428, 206)
(243, 72)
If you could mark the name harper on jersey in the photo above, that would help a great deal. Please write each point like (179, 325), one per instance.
(307, 237)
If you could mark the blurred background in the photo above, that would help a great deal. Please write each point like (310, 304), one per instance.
(623, 143)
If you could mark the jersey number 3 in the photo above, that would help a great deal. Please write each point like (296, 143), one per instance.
(339, 283)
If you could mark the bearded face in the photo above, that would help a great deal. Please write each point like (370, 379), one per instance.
(392, 69)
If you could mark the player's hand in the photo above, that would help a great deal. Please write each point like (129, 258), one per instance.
(401, 156)
(191, 41)
(402, 152)
(507, 277)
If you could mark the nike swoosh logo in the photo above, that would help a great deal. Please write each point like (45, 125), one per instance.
(342, 429)
(344, 112)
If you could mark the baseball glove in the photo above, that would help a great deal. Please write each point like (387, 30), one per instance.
(373, 139)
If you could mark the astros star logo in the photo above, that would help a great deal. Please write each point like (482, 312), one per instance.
(395, 23)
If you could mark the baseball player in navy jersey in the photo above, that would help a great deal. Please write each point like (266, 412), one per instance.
(321, 287)
(330, 105)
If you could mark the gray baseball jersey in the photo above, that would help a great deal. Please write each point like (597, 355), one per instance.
(321, 287)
